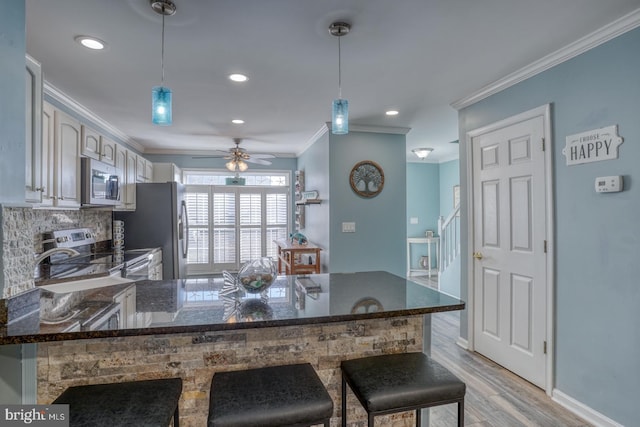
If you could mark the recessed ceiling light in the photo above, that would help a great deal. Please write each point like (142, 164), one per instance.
(392, 113)
(91, 42)
(237, 121)
(238, 77)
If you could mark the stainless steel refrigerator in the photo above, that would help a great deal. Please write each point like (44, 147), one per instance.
(160, 220)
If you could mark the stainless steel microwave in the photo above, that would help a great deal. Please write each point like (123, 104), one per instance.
(100, 183)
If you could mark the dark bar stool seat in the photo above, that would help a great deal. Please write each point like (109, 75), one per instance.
(277, 396)
(134, 403)
(400, 382)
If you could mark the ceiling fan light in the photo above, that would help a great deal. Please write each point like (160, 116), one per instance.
(242, 166)
(340, 117)
(422, 153)
(161, 106)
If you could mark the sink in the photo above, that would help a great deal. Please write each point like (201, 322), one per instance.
(85, 284)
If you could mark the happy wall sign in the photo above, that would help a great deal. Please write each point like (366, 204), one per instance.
(592, 146)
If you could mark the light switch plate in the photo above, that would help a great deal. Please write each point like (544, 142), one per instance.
(348, 227)
(413, 220)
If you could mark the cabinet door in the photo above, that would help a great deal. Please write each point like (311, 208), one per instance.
(148, 171)
(141, 165)
(130, 194)
(48, 158)
(33, 132)
(107, 151)
(121, 166)
(67, 165)
(90, 143)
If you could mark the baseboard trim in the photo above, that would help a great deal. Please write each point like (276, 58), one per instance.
(461, 342)
(582, 410)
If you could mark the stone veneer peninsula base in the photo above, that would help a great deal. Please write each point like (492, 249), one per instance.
(195, 357)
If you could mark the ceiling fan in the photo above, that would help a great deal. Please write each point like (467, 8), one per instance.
(238, 157)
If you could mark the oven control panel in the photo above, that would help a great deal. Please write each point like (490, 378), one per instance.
(70, 238)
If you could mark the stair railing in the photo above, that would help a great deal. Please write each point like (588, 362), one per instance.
(449, 231)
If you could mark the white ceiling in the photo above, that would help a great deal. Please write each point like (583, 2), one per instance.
(416, 56)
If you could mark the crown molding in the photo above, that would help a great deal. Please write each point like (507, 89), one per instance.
(187, 153)
(90, 116)
(598, 37)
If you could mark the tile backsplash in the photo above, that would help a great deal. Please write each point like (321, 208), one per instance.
(22, 229)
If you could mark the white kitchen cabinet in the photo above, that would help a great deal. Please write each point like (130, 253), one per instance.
(90, 143)
(62, 136)
(141, 164)
(48, 159)
(131, 179)
(67, 158)
(127, 301)
(33, 131)
(97, 146)
(107, 151)
(120, 160)
(148, 171)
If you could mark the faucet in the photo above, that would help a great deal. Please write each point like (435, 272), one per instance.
(46, 254)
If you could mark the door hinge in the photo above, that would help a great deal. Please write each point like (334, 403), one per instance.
(542, 144)
(545, 246)
(545, 347)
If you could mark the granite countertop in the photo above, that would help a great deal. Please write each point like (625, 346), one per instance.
(206, 304)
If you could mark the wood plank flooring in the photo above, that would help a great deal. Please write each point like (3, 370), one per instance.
(495, 396)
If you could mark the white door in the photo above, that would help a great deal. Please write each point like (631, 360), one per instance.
(510, 280)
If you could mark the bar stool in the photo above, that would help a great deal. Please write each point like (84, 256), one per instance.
(133, 403)
(400, 382)
(277, 396)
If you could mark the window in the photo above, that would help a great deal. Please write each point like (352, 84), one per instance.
(230, 225)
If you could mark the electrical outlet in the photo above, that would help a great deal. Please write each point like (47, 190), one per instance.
(413, 220)
(348, 227)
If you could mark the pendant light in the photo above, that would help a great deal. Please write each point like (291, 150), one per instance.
(340, 112)
(161, 95)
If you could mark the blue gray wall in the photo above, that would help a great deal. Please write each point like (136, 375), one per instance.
(315, 164)
(12, 101)
(597, 345)
(379, 242)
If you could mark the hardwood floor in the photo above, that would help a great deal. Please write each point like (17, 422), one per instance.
(495, 396)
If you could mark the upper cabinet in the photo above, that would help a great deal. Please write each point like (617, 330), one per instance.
(61, 136)
(33, 131)
(97, 146)
(66, 149)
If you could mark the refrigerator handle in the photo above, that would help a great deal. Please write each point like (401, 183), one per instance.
(184, 229)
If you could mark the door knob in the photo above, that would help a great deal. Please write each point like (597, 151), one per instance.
(477, 255)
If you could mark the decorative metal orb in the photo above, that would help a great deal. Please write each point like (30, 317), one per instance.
(257, 275)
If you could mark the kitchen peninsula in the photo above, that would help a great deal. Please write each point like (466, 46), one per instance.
(192, 328)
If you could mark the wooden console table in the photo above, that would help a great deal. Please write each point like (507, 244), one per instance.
(291, 259)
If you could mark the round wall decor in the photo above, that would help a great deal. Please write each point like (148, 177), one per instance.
(367, 179)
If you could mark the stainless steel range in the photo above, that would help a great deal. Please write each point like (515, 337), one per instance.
(89, 268)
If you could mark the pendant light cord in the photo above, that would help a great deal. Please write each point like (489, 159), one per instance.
(162, 54)
(339, 71)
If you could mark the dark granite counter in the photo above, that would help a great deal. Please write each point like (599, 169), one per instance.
(201, 305)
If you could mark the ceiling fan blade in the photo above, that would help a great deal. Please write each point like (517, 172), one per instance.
(262, 156)
(258, 161)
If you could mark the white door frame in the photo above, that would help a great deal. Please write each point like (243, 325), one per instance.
(545, 112)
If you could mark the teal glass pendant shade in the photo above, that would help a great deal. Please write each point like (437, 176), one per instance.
(340, 117)
(161, 106)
